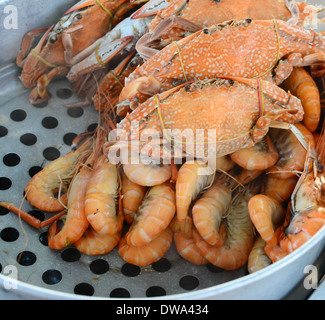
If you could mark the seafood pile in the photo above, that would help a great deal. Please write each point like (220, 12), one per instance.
(210, 132)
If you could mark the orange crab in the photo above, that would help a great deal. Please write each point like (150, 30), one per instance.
(172, 21)
(217, 116)
(249, 49)
(76, 31)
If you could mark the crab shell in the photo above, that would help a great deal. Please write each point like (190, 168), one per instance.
(232, 113)
(205, 13)
(249, 49)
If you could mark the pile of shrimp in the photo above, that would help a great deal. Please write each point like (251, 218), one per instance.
(250, 208)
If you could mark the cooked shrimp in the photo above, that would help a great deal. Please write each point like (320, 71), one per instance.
(149, 253)
(301, 228)
(209, 210)
(267, 214)
(222, 164)
(292, 153)
(148, 175)
(153, 216)
(279, 189)
(245, 176)
(92, 243)
(100, 200)
(186, 247)
(191, 180)
(261, 156)
(240, 238)
(76, 222)
(307, 202)
(302, 85)
(258, 259)
(132, 196)
(56, 176)
(274, 252)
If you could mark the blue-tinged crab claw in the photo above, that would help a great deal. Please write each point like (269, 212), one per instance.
(99, 58)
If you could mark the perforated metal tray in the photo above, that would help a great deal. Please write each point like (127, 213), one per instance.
(30, 137)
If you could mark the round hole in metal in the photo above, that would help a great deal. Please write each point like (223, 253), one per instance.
(52, 276)
(43, 239)
(51, 153)
(26, 258)
(18, 115)
(9, 234)
(214, 268)
(75, 112)
(41, 104)
(28, 139)
(33, 170)
(3, 131)
(70, 255)
(130, 270)
(64, 93)
(84, 289)
(92, 127)
(50, 122)
(162, 265)
(189, 282)
(120, 293)
(38, 214)
(155, 291)
(99, 266)
(11, 159)
(3, 211)
(68, 138)
(5, 183)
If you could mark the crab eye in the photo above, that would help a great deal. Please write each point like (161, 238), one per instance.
(77, 17)
(53, 39)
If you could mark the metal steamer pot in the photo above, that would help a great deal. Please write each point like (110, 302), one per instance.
(30, 137)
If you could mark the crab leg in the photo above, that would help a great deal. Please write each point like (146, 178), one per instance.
(151, 8)
(98, 58)
(163, 28)
(26, 44)
(40, 93)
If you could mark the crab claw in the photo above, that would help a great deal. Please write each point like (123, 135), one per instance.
(146, 85)
(99, 58)
(151, 8)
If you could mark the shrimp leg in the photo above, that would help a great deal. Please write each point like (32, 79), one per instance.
(29, 218)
